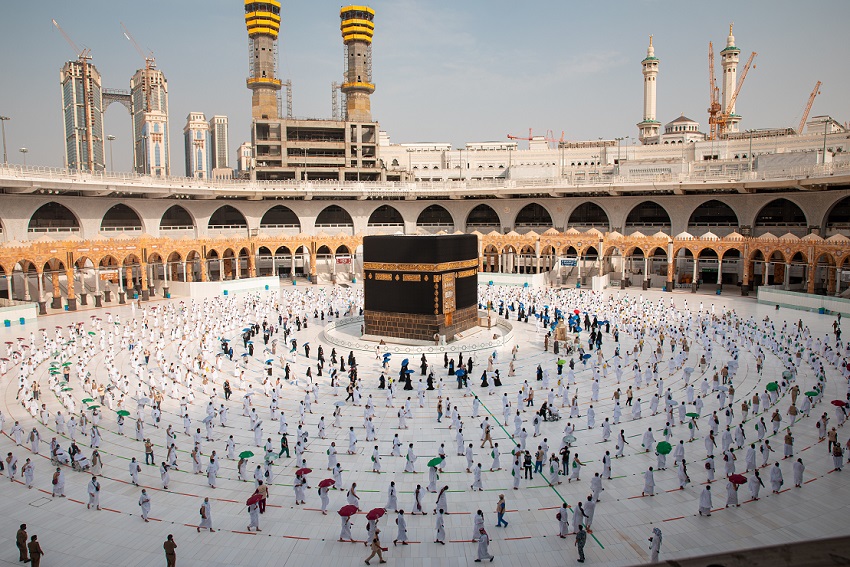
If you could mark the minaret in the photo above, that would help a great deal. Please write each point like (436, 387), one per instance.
(357, 27)
(263, 22)
(649, 126)
(729, 62)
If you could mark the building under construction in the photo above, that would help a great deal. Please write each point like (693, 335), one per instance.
(343, 148)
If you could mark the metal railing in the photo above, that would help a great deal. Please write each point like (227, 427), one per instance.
(132, 182)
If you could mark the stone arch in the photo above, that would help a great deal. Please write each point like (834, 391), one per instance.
(589, 215)
(837, 219)
(712, 216)
(533, 216)
(436, 217)
(649, 214)
(227, 217)
(334, 216)
(53, 217)
(280, 216)
(385, 216)
(176, 217)
(491, 260)
(121, 218)
(781, 215)
(483, 216)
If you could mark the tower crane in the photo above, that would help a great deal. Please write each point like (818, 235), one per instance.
(512, 137)
(150, 64)
(815, 93)
(548, 138)
(713, 93)
(82, 54)
(723, 119)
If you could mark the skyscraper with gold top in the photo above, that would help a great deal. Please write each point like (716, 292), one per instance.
(357, 27)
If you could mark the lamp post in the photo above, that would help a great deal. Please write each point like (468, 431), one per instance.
(111, 164)
(750, 132)
(3, 120)
(24, 151)
(619, 140)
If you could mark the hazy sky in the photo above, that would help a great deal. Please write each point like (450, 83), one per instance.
(446, 71)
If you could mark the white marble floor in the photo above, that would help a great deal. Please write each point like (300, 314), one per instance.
(294, 536)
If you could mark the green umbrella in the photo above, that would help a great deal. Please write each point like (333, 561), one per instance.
(664, 448)
(54, 372)
(786, 374)
(123, 412)
(92, 333)
(93, 407)
(772, 387)
(87, 400)
(67, 389)
(435, 461)
(811, 394)
(245, 454)
(692, 414)
(66, 364)
(561, 361)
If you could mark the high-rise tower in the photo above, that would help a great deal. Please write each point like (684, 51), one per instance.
(219, 141)
(729, 61)
(649, 126)
(263, 22)
(149, 100)
(357, 27)
(82, 107)
(196, 137)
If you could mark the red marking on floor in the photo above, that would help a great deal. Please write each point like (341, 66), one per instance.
(633, 497)
(461, 541)
(550, 508)
(456, 513)
(675, 490)
(77, 501)
(786, 490)
(671, 519)
(806, 449)
(716, 510)
(513, 538)
(111, 510)
(812, 480)
(239, 532)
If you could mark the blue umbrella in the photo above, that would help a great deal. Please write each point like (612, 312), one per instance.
(269, 361)
(459, 372)
(404, 362)
(586, 355)
(246, 329)
(245, 354)
(225, 340)
(387, 356)
(305, 344)
(250, 342)
(409, 371)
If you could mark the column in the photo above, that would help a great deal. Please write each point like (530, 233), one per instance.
(831, 282)
(646, 279)
(622, 271)
(57, 293)
(26, 274)
(749, 268)
(188, 271)
(720, 273)
(292, 265)
(811, 274)
(42, 305)
(313, 277)
(579, 262)
(671, 268)
(252, 265)
(238, 265)
(695, 275)
(274, 267)
(11, 280)
(499, 262)
(83, 291)
(786, 277)
(143, 269)
(220, 270)
(164, 278)
(98, 300)
(333, 267)
(72, 298)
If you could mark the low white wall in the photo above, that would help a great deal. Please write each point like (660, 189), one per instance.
(769, 295)
(200, 290)
(511, 279)
(599, 283)
(13, 313)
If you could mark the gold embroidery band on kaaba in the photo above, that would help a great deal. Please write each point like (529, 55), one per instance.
(421, 268)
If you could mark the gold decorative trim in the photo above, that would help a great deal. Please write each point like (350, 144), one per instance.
(411, 277)
(466, 273)
(384, 277)
(399, 267)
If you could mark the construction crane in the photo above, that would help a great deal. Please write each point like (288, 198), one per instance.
(723, 119)
(815, 93)
(150, 64)
(512, 137)
(82, 54)
(549, 138)
(713, 93)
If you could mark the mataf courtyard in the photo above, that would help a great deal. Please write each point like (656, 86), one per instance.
(121, 362)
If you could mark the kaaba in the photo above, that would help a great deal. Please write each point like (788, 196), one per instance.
(417, 286)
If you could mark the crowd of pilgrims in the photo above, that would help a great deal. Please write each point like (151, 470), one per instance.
(185, 350)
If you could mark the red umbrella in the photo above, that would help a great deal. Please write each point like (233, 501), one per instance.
(738, 479)
(256, 497)
(839, 403)
(302, 472)
(326, 483)
(347, 510)
(576, 311)
(375, 513)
